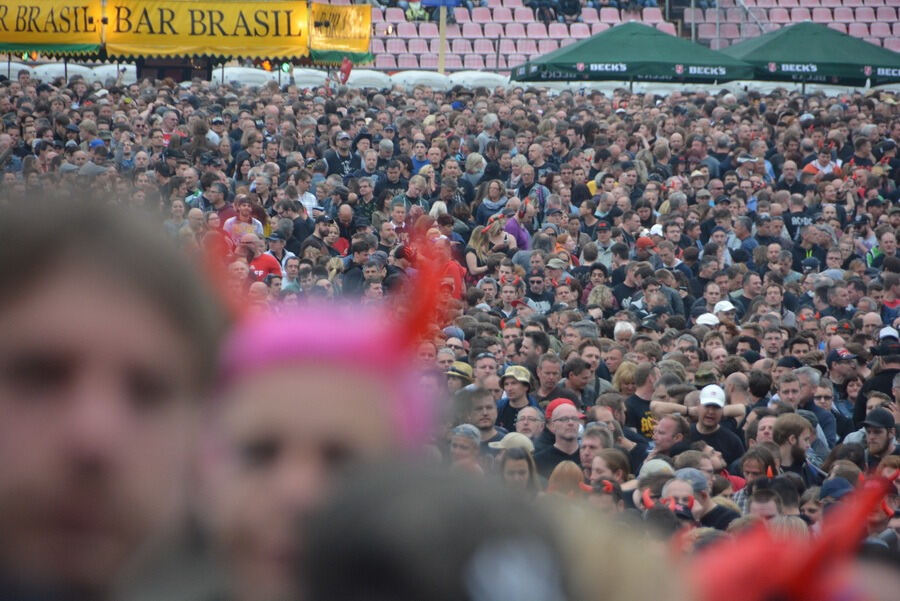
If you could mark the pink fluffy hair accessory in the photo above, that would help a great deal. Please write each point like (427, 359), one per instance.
(355, 337)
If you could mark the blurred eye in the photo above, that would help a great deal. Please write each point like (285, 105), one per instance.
(259, 453)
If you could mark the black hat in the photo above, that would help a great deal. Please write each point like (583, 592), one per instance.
(880, 418)
(324, 219)
(276, 236)
(603, 224)
(810, 264)
(789, 361)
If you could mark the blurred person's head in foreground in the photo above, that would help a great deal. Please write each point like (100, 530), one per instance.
(302, 396)
(402, 533)
(108, 345)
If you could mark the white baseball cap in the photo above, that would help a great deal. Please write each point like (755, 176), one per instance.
(712, 395)
(724, 306)
(708, 319)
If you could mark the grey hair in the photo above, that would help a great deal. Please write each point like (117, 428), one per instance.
(694, 477)
(810, 373)
(467, 431)
(622, 327)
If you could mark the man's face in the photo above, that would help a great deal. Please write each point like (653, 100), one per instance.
(772, 343)
(515, 389)
(879, 441)
(789, 392)
(564, 423)
(529, 422)
(613, 358)
(765, 429)
(763, 511)
(484, 413)
(484, 367)
(589, 447)
(665, 435)
(591, 354)
(96, 428)
(578, 380)
(549, 373)
(710, 415)
(718, 356)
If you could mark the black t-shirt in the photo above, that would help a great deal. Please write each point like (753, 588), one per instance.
(506, 418)
(638, 416)
(548, 458)
(624, 293)
(719, 517)
(485, 449)
(722, 440)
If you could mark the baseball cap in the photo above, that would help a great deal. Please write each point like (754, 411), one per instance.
(461, 370)
(712, 395)
(810, 264)
(552, 405)
(880, 418)
(697, 173)
(790, 362)
(554, 212)
(343, 136)
(276, 236)
(513, 440)
(656, 230)
(835, 488)
(96, 143)
(724, 306)
(517, 372)
(707, 319)
(603, 225)
(888, 332)
(556, 263)
(645, 242)
(839, 354)
(655, 466)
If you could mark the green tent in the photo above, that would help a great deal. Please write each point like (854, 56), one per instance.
(812, 53)
(633, 52)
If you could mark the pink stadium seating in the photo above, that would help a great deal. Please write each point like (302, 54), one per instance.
(503, 15)
(821, 15)
(493, 30)
(789, 3)
(428, 30)
(523, 15)
(875, 41)
(809, 3)
(472, 31)
(461, 46)
(396, 46)
(507, 46)
(842, 27)
(481, 14)
(779, 15)
(798, 15)
(483, 46)
(376, 46)
(609, 15)
(892, 44)
(407, 30)
(394, 15)
(858, 30)
(515, 31)
(831, 3)
(652, 15)
(579, 30)
(473, 61)
(853, 2)
(843, 15)
(558, 30)
(545, 46)
(377, 15)
(729, 31)
(706, 31)
(461, 14)
(513, 3)
(429, 61)
(693, 15)
(750, 30)
(536, 31)
(385, 61)
(567, 41)
(494, 62)
(515, 60)
(590, 15)
(668, 28)
(598, 28)
(886, 14)
(418, 46)
(896, 30)
(881, 30)
(407, 61)
(865, 14)
(526, 46)
(767, 3)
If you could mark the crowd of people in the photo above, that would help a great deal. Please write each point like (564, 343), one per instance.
(682, 310)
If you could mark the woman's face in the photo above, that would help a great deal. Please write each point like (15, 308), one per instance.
(515, 474)
(225, 147)
(812, 511)
(245, 167)
(177, 209)
(853, 388)
(494, 190)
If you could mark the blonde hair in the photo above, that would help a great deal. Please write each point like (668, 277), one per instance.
(788, 526)
(624, 375)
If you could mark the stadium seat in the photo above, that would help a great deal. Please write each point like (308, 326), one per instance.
(858, 30)
(566, 42)
(472, 31)
(865, 14)
(767, 3)
(843, 15)
(493, 30)
(896, 29)
(503, 15)
(394, 15)
(706, 31)
(729, 31)
(609, 15)
(668, 28)
(395, 46)
(842, 27)
(483, 46)
(874, 41)
(750, 30)
(454, 31)
(799, 15)
(545, 46)
(491, 62)
(515, 31)
(407, 30)
(579, 30)
(515, 60)
(789, 3)
(377, 15)
(461, 46)
(831, 3)
(809, 3)
(536, 31)
(428, 30)
(886, 14)
(853, 3)
(779, 15)
(407, 61)
(527, 47)
(598, 28)
(385, 61)
(821, 15)
(473, 61)
(434, 45)
(881, 30)
(461, 14)
(652, 15)
(693, 15)
(734, 15)
(589, 15)
(558, 30)
(494, 3)
(418, 46)
(523, 15)
(481, 14)
(507, 46)
(719, 44)
(376, 46)
(513, 3)
(892, 44)
(428, 61)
